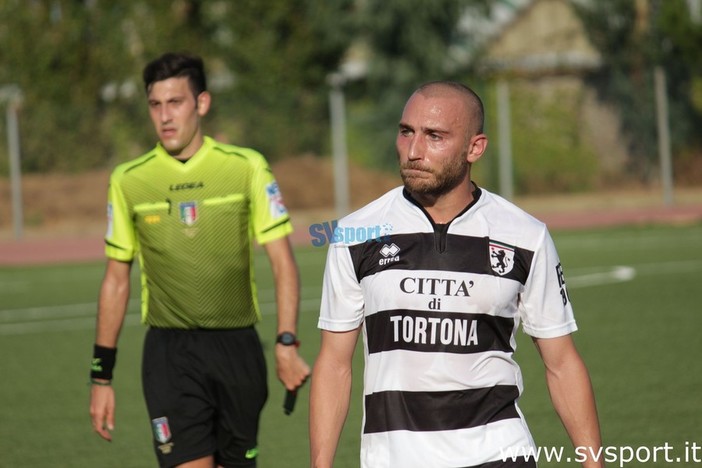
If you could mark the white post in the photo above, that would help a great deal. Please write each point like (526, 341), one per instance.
(13, 96)
(337, 108)
(695, 8)
(504, 133)
(664, 151)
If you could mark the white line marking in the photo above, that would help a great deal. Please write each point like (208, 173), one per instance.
(617, 274)
(82, 316)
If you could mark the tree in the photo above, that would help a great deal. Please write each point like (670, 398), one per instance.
(79, 65)
(632, 41)
(280, 53)
(410, 42)
(46, 50)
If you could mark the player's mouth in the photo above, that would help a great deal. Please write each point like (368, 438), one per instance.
(168, 133)
(415, 171)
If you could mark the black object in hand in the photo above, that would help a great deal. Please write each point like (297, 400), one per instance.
(289, 403)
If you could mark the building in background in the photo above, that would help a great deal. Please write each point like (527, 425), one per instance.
(541, 49)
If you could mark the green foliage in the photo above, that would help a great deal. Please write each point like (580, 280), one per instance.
(79, 67)
(280, 53)
(550, 154)
(46, 50)
(632, 42)
(411, 42)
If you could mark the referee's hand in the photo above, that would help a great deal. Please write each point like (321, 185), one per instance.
(292, 370)
(102, 410)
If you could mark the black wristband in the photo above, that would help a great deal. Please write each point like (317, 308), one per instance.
(103, 362)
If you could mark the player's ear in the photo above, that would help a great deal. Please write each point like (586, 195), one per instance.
(476, 147)
(204, 99)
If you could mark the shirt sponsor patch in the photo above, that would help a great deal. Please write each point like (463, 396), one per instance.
(275, 200)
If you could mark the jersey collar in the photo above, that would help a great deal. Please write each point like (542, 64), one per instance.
(194, 160)
(477, 193)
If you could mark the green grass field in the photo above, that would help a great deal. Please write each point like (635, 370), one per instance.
(636, 300)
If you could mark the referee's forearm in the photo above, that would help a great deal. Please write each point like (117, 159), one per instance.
(112, 304)
(288, 300)
(287, 283)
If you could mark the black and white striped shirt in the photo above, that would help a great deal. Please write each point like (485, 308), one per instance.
(440, 306)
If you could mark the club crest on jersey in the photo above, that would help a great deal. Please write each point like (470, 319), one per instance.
(389, 252)
(501, 257)
(188, 212)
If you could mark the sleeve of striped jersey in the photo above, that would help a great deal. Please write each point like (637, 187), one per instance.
(544, 305)
(120, 240)
(269, 217)
(342, 298)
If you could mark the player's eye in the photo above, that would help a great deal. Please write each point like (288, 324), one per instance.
(404, 131)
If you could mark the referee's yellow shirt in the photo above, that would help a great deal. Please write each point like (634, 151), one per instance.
(191, 225)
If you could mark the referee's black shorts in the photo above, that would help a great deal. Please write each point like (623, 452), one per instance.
(204, 392)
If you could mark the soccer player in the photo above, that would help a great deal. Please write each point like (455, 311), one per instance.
(438, 303)
(189, 210)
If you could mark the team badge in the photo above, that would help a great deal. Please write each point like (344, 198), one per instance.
(501, 257)
(275, 200)
(188, 212)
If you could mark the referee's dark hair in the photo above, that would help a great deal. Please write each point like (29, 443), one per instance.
(176, 65)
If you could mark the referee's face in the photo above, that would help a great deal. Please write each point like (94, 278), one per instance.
(432, 144)
(175, 113)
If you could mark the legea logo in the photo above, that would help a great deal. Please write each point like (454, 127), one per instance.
(329, 232)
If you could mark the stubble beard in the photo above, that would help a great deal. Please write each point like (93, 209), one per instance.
(440, 181)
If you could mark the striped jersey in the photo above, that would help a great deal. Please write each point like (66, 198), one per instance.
(191, 225)
(440, 306)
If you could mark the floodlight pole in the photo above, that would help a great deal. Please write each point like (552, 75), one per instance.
(13, 96)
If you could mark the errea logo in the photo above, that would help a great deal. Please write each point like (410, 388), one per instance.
(390, 253)
(389, 250)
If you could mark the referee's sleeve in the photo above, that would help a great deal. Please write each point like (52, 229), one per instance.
(269, 216)
(120, 239)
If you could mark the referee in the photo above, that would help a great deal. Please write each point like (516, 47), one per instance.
(189, 211)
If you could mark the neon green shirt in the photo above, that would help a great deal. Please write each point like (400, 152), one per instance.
(191, 226)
